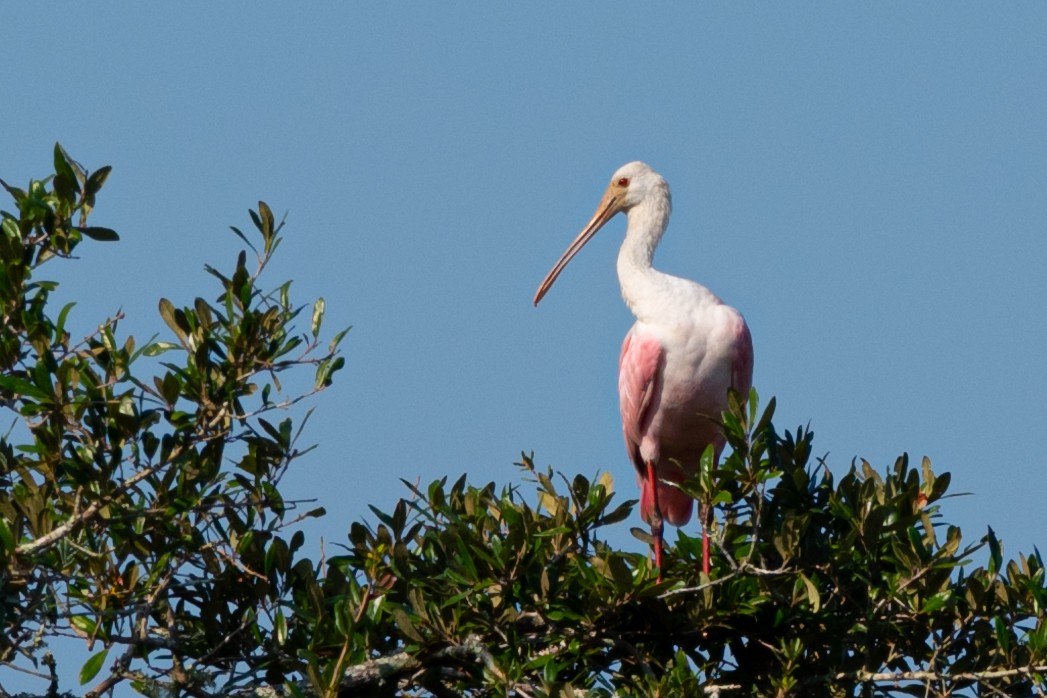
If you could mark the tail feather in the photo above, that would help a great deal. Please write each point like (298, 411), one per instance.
(674, 504)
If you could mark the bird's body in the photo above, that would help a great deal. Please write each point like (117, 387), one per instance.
(686, 349)
(672, 387)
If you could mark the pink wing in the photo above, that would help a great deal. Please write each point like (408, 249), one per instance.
(639, 375)
(638, 378)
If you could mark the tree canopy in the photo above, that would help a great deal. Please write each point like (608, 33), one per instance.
(141, 512)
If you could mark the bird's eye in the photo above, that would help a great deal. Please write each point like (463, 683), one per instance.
(623, 182)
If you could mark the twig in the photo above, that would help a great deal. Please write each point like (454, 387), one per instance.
(78, 520)
(744, 568)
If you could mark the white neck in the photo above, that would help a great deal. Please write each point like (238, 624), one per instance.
(645, 289)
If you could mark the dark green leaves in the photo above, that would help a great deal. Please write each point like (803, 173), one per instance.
(140, 507)
(818, 583)
(175, 319)
(266, 225)
(7, 539)
(96, 180)
(68, 175)
(98, 233)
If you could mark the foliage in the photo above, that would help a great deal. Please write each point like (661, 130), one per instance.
(143, 514)
(819, 587)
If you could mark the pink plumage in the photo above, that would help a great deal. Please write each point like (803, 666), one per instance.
(639, 381)
(672, 428)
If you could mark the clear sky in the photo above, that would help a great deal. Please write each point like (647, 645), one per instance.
(867, 183)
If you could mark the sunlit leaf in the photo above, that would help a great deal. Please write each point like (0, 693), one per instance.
(318, 316)
(168, 313)
(92, 666)
(157, 348)
(280, 628)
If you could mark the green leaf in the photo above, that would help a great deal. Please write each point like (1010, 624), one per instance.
(170, 388)
(85, 625)
(280, 627)
(62, 316)
(768, 412)
(812, 594)
(325, 369)
(92, 666)
(97, 179)
(941, 484)
(239, 233)
(338, 339)
(403, 622)
(7, 539)
(620, 572)
(621, 513)
(21, 387)
(203, 312)
(98, 233)
(67, 169)
(995, 552)
(65, 189)
(318, 316)
(1003, 633)
(937, 601)
(157, 348)
(270, 429)
(928, 473)
(266, 225)
(10, 228)
(171, 317)
(722, 497)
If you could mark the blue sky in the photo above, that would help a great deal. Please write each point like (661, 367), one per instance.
(867, 183)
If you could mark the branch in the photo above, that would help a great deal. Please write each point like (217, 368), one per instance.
(744, 568)
(78, 520)
(391, 667)
(978, 676)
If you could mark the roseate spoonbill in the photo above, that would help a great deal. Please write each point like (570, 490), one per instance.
(677, 362)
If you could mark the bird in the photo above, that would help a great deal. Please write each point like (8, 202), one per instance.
(679, 360)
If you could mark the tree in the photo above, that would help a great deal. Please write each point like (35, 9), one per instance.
(142, 513)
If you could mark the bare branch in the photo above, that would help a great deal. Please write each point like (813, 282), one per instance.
(392, 667)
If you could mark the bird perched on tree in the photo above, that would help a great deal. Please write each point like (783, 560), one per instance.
(686, 349)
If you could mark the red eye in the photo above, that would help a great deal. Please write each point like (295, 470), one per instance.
(623, 182)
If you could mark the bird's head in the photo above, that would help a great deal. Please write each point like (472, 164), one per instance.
(631, 184)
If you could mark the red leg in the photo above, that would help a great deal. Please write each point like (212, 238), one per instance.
(656, 518)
